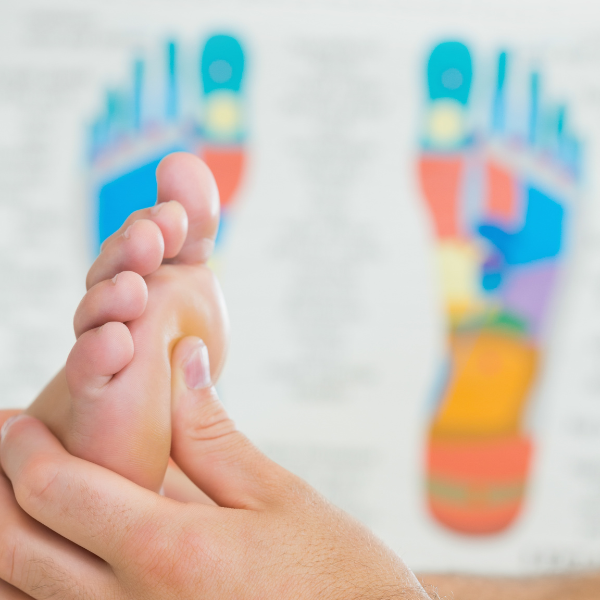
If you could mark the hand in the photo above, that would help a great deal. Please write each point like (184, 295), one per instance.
(176, 486)
(76, 530)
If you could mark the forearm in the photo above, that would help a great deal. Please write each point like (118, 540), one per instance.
(581, 586)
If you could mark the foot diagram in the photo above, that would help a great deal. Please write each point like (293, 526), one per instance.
(167, 108)
(500, 205)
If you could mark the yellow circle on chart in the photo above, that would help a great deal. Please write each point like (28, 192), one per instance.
(223, 114)
(446, 124)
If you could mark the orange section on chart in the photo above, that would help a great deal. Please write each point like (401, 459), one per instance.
(497, 460)
(501, 194)
(227, 165)
(492, 372)
(440, 180)
(476, 486)
(475, 520)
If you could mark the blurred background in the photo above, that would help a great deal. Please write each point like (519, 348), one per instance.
(409, 246)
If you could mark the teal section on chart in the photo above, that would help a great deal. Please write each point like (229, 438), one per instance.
(499, 114)
(222, 64)
(172, 97)
(534, 108)
(138, 83)
(449, 72)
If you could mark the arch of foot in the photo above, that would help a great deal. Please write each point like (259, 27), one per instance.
(499, 227)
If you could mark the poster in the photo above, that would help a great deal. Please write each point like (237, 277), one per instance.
(409, 247)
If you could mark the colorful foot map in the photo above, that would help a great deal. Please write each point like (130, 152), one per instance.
(500, 204)
(163, 110)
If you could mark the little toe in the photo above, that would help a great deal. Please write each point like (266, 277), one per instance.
(140, 248)
(122, 298)
(171, 219)
(97, 355)
(184, 177)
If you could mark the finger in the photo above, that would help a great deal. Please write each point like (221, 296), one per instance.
(93, 507)
(184, 177)
(122, 298)
(8, 592)
(140, 248)
(171, 219)
(206, 444)
(96, 356)
(41, 563)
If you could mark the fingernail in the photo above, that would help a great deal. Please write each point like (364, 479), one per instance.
(154, 210)
(7, 425)
(114, 279)
(126, 233)
(196, 369)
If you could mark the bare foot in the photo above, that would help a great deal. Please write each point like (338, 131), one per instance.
(148, 288)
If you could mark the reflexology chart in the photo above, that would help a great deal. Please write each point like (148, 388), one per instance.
(165, 109)
(500, 198)
(409, 250)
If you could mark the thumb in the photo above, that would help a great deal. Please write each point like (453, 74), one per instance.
(206, 445)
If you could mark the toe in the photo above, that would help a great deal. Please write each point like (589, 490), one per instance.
(171, 219)
(96, 356)
(122, 298)
(140, 248)
(184, 177)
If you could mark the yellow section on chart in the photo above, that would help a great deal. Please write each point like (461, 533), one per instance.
(459, 265)
(446, 122)
(223, 115)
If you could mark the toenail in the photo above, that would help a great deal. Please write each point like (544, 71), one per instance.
(154, 210)
(196, 370)
(114, 279)
(126, 233)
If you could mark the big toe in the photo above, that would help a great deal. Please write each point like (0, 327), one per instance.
(184, 177)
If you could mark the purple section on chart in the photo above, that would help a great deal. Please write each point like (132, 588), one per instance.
(527, 291)
(494, 262)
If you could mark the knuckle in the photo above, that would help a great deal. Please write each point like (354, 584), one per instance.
(38, 482)
(211, 421)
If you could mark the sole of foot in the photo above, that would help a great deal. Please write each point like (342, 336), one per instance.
(111, 403)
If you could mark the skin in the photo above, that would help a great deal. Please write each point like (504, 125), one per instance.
(577, 586)
(108, 404)
(73, 529)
